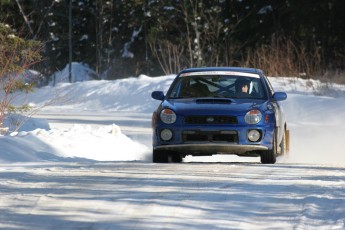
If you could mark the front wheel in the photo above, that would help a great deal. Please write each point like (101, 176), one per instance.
(270, 156)
(175, 158)
(159, 156)
(285, 143)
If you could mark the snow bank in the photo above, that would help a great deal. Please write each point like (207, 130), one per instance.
(79, 72)
(131, 94)
(78, 143)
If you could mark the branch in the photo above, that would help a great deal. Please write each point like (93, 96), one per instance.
(25, 18)
(43, 20)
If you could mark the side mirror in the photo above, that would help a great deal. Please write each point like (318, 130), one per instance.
(158, 95)
(279, 96)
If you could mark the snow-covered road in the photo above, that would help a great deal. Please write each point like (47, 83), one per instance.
(138, 195)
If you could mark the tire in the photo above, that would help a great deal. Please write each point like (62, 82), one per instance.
(287, 143)
(175, 157)
(270, 156)
(282, 145)
(160, 157)
(166, 157)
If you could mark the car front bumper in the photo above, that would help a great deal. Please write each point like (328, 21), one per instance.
(211, 148)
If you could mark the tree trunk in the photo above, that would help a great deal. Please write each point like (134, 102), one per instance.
(70, 41)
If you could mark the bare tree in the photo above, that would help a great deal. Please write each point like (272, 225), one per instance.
(170, 56)
(25, 17)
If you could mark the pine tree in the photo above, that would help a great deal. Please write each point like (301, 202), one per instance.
(16, 56)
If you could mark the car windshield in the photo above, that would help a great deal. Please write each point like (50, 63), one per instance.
(217, 85)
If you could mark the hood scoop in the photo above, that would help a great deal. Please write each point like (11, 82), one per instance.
(213, 101)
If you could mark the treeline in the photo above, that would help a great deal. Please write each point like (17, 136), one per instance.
(121, 38)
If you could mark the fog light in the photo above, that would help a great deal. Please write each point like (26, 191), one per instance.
(254, 135)
(166, 134)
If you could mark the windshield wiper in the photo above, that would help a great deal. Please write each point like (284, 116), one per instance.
(177, 97)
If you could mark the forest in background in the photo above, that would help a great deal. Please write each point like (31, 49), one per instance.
(123, 38)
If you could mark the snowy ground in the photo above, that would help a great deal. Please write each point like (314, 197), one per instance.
(137, 195)
(84, 162)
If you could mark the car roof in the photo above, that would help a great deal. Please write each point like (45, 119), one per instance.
(234, 69)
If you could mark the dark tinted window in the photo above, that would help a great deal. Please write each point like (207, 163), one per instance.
(223, 86)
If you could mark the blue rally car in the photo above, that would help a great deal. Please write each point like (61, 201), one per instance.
(219, 110)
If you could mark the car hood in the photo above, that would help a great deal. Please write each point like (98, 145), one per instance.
(213, 106)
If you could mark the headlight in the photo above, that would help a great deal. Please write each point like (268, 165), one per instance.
(168, 116)
(254, 135)
(253, 117)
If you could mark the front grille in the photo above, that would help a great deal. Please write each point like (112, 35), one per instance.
(210, 136)
(217, 120)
